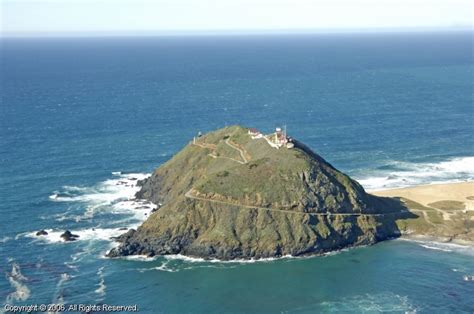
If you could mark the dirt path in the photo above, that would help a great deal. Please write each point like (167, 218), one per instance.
(189, 195)
(213, 155)
(225, 157)
(425, 215)
(242, 154)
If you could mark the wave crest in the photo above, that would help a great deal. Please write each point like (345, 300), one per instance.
(18, 282)
(398, 174)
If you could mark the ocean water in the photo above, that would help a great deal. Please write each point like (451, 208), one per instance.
(81, 120)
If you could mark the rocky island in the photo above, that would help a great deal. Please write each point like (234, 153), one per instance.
(236, 193)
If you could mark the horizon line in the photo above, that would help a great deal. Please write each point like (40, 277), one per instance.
(209, 33)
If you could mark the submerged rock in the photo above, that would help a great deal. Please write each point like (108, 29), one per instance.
(229, 196)
(41, 233)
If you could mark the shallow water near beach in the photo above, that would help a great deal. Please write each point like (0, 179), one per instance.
(83, 120)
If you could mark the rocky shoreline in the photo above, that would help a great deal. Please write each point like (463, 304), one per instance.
(131, 243)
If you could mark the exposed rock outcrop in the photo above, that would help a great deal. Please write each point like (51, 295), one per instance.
(68, 236)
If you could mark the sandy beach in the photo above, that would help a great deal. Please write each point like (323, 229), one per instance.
(445, 211)
(435, 193)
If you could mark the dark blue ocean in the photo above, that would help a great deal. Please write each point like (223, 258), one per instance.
(82, 119)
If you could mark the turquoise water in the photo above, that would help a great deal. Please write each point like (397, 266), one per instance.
(83, 118)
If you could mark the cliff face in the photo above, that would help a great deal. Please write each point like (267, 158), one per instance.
(231, 196)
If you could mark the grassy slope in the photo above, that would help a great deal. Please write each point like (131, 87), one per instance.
(278, 178)
(431, 222)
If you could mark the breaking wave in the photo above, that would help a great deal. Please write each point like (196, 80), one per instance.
(112, 196)
(101, 285)
(441, 246)
(178, 262)
(17, 282)
(238, 261)
(107, 192)
(398, 174)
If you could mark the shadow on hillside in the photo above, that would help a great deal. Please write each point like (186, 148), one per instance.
(393, 209)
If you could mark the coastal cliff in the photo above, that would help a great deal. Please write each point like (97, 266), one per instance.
(236, 193)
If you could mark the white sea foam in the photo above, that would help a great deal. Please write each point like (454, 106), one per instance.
(92, 234)
(5, 239)
(140, 258)
(173, 266)
(367, 303)
(441, 246)
(203, 262)
(101, 285)
(20, 235)
(260, 260)
(115, 196)
(239, 261)
(178, 262)
(436, 248)
(398, 174)
(163, 267)
(105, 193)
(58, 294)
(18, 282)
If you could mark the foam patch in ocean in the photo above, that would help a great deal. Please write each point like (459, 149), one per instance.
(397, 174)
(101, 285)
(5, 239)
(370, 303)
(59, 293)
(18, 283)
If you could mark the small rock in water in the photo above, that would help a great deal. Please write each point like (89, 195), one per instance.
(123, 229)
(41, 233)
(468, 278)
(68, 236)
